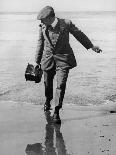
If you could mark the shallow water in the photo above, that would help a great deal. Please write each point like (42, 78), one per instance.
(92, 82)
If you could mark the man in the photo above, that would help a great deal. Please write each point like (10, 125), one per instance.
(55, 54)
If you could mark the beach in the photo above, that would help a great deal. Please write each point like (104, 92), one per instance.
(84, 130)
(91, 82)
(88, 115)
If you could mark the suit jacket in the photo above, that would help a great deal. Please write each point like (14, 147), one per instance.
(53, 45)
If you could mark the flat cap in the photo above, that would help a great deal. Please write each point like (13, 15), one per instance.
(46, 12)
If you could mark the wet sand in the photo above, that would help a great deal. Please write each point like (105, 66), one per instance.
(85, 130)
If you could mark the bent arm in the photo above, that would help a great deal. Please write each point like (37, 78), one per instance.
(40, 47)
(80, 36)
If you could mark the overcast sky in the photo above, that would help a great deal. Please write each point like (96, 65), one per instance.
(59, 5)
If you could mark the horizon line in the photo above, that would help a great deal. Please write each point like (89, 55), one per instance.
(58, 11)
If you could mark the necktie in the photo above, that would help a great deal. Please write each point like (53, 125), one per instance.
(50, 27)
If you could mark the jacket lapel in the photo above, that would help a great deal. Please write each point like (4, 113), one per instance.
(48, 37)
(46, 34)
(58, 28)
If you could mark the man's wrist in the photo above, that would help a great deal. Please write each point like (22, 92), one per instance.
(96, 49)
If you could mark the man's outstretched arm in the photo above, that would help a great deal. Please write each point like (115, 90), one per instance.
(82, 38)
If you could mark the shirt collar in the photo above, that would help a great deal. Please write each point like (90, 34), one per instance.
(54, 23)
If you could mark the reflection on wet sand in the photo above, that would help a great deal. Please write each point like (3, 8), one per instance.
(54, 142)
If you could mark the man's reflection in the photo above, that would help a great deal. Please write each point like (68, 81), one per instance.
(49, 137)
(52, 133)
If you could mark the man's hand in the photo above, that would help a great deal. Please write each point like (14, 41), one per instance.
(96, 49)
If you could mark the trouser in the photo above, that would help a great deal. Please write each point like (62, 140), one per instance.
(62, 75)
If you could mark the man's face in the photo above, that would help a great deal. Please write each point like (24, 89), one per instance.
(47, 21)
